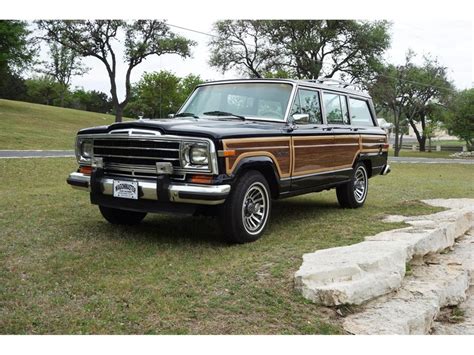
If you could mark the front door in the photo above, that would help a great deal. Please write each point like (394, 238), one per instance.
(324, 152)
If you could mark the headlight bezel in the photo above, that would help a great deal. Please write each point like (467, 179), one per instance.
(190, 153)
(81, 156)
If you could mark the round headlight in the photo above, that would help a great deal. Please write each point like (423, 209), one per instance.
(87, 149)
(198, 155)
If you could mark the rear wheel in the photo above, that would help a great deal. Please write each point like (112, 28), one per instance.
(354, 193)
(122, 217)
(246, 212)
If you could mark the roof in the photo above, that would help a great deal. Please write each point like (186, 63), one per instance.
(307, 83)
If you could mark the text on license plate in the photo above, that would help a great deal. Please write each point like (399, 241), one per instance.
(126, 189)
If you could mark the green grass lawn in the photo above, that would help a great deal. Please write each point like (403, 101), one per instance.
(65, 270)
(444, 142)
(31, 126)
(417, 154)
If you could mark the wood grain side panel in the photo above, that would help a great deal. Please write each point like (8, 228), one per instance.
(303, 155)
(277, 149)
(372, 144)
(321, 154)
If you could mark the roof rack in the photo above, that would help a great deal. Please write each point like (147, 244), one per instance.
(331, 81)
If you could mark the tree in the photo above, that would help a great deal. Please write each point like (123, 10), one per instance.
(142, 38)
(65, 63)
(17, 52)
(43, 90)
(411, 93)
(301, 48)
(187, 85)
(156, 95)
(428, 87)
(460, 120)
(241, 44)
(159, 94)
(388, 93)
(93, 100)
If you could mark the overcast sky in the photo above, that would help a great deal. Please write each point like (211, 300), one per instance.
(448, 40)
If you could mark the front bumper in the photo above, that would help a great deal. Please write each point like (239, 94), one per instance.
(149, 190)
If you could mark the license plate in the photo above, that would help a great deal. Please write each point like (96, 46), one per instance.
(126, 189)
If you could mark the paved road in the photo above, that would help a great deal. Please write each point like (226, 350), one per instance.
(429, 160)
(10, 154)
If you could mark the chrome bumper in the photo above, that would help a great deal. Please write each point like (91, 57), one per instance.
(184, 193)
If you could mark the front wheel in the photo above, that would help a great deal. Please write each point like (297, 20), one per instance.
(246, 212)
(122, 217)
(354, 193)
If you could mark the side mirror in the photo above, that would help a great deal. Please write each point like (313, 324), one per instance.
(300, 117)
(171, 115)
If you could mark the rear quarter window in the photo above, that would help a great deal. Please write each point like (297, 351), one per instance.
(360, 112)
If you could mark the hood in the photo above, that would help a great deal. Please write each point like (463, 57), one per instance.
(209, 128)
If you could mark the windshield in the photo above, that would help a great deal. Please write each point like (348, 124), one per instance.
(251, 100)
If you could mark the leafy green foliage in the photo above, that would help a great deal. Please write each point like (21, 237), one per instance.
(65, 63)
(142, 39)
(16, 49)
(460, 120)
(241, 44)
(92, 100)
(17, 52)
(46, 90)
(43, 90)
(159, 94)
(300, 48)
(413, 94)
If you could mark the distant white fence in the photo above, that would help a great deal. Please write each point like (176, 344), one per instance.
(437, 148)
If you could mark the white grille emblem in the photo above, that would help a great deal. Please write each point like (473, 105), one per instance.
(135, 132)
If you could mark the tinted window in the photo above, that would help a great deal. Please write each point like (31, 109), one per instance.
(336, 109)
(307, 102)
(360, 113)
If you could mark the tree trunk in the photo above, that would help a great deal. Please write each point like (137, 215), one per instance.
(396, 146)
(61, 98)
(421, 138)
(422, 143)
(118, 113)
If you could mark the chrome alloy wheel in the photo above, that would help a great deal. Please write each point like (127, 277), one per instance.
(360, 184)
(255, 208)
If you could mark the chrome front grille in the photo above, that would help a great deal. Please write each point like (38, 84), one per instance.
(134, 157)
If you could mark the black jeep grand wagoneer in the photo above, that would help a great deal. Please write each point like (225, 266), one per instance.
(233, 147)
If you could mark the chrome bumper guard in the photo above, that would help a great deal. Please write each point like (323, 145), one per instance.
(183, 193)
(386, 170)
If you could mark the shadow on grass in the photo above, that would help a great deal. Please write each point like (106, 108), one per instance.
(186, 229)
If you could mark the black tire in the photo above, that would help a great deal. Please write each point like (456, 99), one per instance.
(354, 193)
(246, 212)
(121, 217)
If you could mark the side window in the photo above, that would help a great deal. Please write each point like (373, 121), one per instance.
(360, 113)
(307, 102)
(336, 109)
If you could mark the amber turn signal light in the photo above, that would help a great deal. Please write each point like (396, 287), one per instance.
(86, 170)
(229, 153)
(201, 179)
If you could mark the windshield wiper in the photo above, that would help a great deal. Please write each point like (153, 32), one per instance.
(223, 113)
(186, 114)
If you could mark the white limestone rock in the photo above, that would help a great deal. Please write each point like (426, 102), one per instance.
(358, 273)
